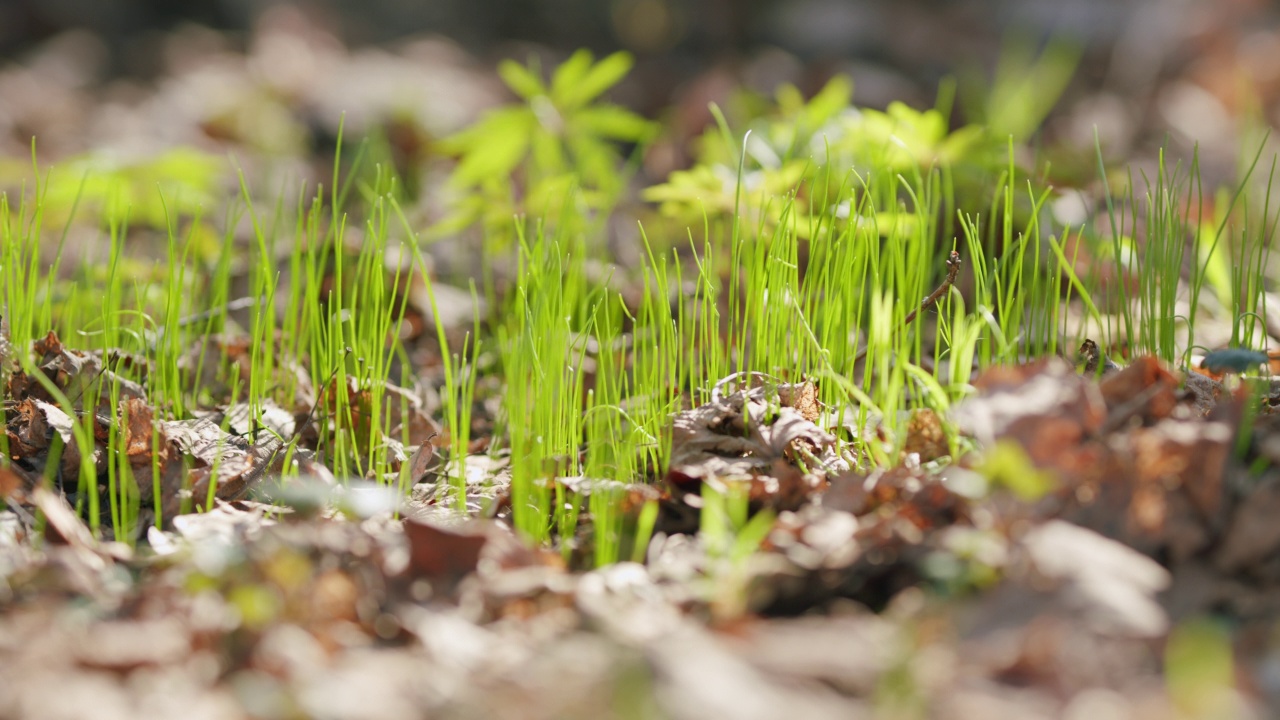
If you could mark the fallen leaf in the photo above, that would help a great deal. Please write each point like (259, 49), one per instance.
(741, 435)
(63, 525)
(1108, 585)
(1145, 389)
(442, 555)
(11, 484)
(1253, 535)
(420, 461)
(1094, 362)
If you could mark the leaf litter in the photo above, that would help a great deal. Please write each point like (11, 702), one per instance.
(1082, 517)
(996, 594)
(1040, 572)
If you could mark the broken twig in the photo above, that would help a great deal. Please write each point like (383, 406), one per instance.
(953, 269)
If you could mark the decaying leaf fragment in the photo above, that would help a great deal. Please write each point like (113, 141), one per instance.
(1092, 362)
(1044, 406)
(73, 372)
(1145, 389)
(206, 448)
(1106, 584)
(443, 555)
(752, 434)
(926, 437)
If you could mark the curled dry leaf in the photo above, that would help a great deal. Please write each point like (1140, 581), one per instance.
(205, 447)
(1202, 392)
(1044, 407)
(27, 430)
(408, 416)
(420, 461)
(1093, 362)
(1110, 586)
(743, 435)
(71, 371)
(139, 430)
(63, 525)
(443, 555)
(1145, 390)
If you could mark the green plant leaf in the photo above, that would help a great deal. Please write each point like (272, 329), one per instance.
(614, 123)
(567, 77)
(548, 155)
(834, 97)
(752, 535)
(521, 80)
(595, 159)
(494, 147)
(1009, 466)
(790, 100)
(604, 75)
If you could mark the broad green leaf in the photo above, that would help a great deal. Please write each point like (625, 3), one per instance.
(606, 73)
(548, 154)
(462, 215)
(831, 99)
(790, 101)
(521, 80)
(961, 143)
(614, 123)
(697, 187)
(568, 76)
(496, 149)
(596, 160)
(503, 121)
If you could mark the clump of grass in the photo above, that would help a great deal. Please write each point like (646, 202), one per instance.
(800, 250)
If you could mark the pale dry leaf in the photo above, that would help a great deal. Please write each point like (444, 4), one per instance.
(1110, 585)
(742, 434)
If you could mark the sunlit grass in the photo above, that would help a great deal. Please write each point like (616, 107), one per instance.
(814, 244)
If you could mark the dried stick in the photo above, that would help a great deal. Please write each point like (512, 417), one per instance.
(953, 269)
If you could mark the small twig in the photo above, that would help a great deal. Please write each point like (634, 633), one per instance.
(231, 306)
(267, 457)
(953, 269)
(153, 337)
(297, 431)
(718, 389)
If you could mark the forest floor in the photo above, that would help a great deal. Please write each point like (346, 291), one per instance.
(1096, 542)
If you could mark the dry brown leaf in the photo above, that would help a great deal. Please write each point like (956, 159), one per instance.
(740, 436)
(1016, 400)
(12, 485)
(926, 436)
(1203, 392)
(1110, 586)
(1044, 407)
(63, 525)
(72, 372)
(27, 429)
(1253, 535)
(139, 427)
(1144, 389)
(442, 555)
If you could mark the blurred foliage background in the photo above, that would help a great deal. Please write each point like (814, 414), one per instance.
(112, 84)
